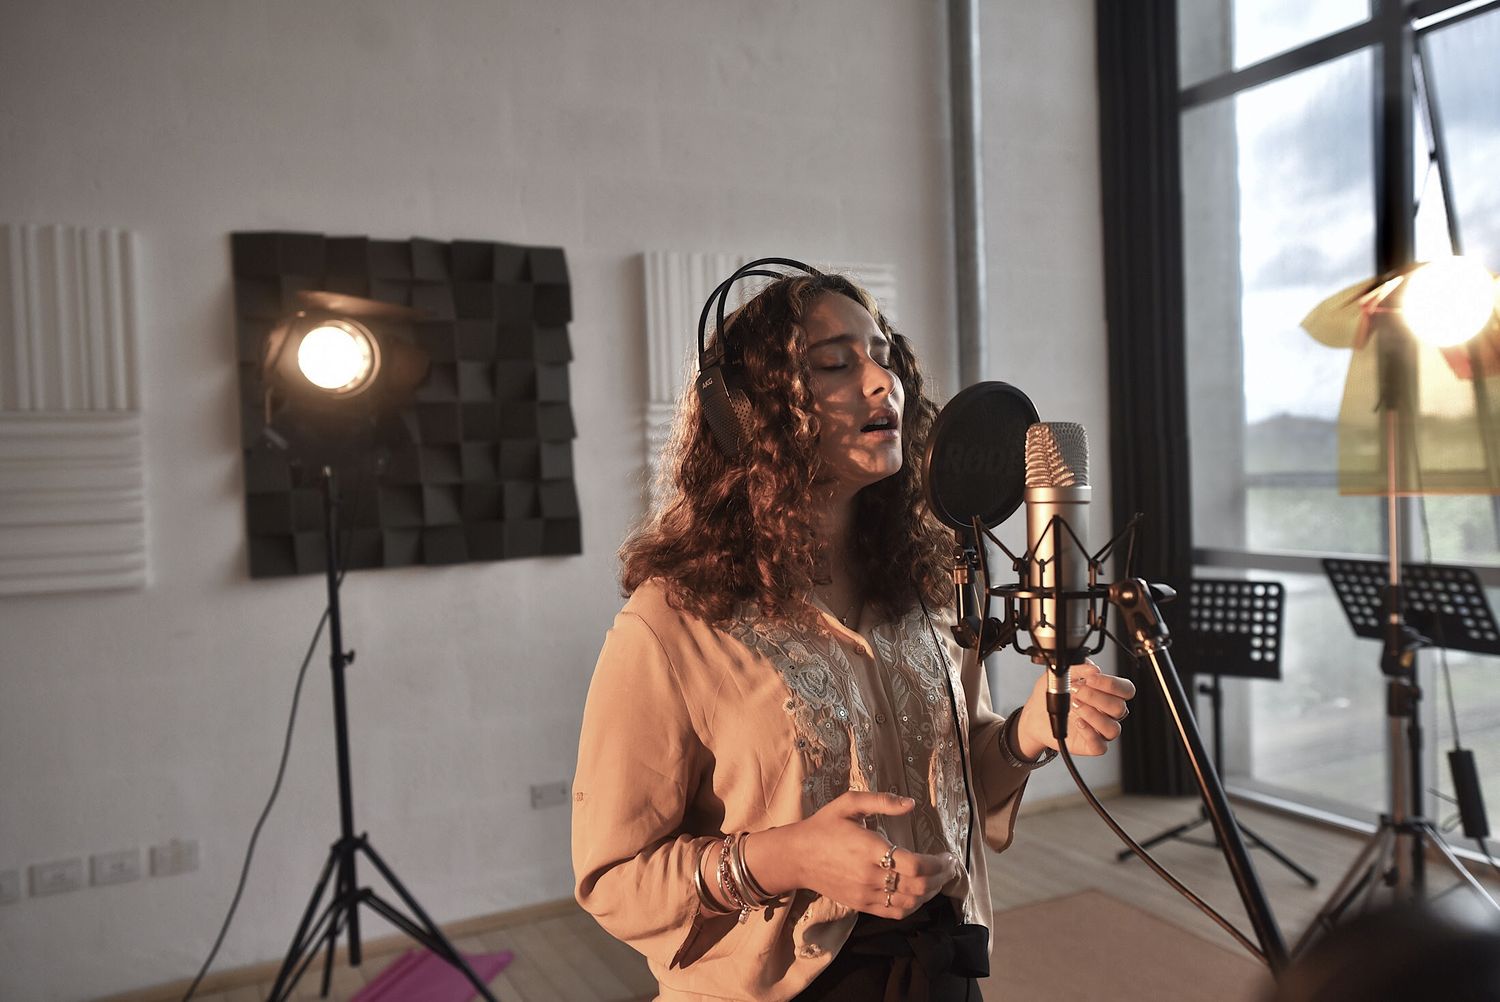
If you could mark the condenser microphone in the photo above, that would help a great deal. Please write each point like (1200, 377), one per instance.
(1057, 539)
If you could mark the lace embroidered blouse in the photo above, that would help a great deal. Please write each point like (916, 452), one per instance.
(691, 732)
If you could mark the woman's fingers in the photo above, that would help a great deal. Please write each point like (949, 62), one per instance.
(914, 879)
(860, 804)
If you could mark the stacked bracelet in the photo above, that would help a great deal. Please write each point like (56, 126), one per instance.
(736, 883)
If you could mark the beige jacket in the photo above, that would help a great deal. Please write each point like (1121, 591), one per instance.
(690, 732)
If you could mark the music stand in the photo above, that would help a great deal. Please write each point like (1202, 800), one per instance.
(1433, 599)
(1235, 629)
(1444, 603)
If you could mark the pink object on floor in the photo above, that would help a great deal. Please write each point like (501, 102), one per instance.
(423, 976)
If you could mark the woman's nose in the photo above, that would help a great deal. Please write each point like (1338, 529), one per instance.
(878, 379)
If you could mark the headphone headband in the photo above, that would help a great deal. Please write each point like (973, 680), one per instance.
(754, 269)
(722, 394)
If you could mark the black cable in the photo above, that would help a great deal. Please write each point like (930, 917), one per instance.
(1146, 857)
(286, 749)
(1442, 648)
(963, 760)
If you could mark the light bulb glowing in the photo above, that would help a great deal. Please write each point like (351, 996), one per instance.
(1447, 301)
(337, 356)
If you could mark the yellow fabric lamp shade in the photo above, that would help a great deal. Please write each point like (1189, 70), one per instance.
(1446, 399)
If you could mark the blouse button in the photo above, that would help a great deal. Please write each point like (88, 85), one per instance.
(801, 742)
(880, 718)
(842, 713)
(893, 788)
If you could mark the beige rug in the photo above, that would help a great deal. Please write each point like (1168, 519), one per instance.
(1090, 945)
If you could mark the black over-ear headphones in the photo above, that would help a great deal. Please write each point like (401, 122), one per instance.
(723, 393)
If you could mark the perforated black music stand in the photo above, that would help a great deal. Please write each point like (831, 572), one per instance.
(1235, 629)
(1444, 603)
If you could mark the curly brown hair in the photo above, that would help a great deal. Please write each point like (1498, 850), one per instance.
(728, 532)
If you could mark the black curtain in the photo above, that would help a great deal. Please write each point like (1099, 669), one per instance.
(1142, 212)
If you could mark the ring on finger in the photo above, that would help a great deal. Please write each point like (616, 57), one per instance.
(1123, 715)
(892, 880)
(888, 899)
(888, 862)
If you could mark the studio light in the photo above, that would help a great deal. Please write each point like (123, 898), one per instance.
(339, 356)
(337, 371)
(1447, 301)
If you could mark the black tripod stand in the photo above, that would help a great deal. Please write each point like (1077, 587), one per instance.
(321, 930)
(1449, 602)
(1236, 629)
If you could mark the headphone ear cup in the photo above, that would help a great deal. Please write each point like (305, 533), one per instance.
(726, 408)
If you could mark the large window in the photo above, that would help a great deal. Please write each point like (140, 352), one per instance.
(1281, 207)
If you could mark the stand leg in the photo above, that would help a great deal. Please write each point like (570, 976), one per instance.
(299, 943)
(1160, 837)
(1279, 856)
(1359, 877)
(445, 948)
(1458, 867)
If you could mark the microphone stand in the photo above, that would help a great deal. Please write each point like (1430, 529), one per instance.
(1146, 636)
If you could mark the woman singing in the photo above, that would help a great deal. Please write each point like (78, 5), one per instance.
(784, 753)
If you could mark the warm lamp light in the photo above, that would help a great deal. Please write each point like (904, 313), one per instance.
(1447, 301)
(337, 372)
(339, 356)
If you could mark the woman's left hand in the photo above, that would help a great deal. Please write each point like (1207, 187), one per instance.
(1100, 702)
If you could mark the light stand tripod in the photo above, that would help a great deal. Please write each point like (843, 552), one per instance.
(1236, 628)
(1396, 853)
(342, 909)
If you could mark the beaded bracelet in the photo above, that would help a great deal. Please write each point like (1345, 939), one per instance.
(707, 900)
(727, 883)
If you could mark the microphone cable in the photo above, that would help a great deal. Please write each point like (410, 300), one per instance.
(958, 737)
(286, 750)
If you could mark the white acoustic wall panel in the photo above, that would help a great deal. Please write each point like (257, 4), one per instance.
(72, 480)
(677, 285)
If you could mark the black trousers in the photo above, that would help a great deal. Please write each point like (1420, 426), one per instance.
(928, 956)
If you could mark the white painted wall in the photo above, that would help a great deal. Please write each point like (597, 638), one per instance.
(815, 129)
(1045, 260)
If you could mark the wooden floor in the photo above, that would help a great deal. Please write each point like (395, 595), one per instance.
(566, 957)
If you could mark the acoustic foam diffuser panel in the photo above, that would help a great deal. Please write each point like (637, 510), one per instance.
(487, 473)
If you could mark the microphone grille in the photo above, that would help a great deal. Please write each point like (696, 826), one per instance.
(1057, 455)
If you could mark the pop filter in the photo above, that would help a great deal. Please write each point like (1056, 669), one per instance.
(976, 455)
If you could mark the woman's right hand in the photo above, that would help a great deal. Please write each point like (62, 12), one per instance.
(834, 854)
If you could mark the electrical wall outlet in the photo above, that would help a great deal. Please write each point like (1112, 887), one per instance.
(549, 794)
(56, 877)
(176, 856)
(10, 886)
(115, 867)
